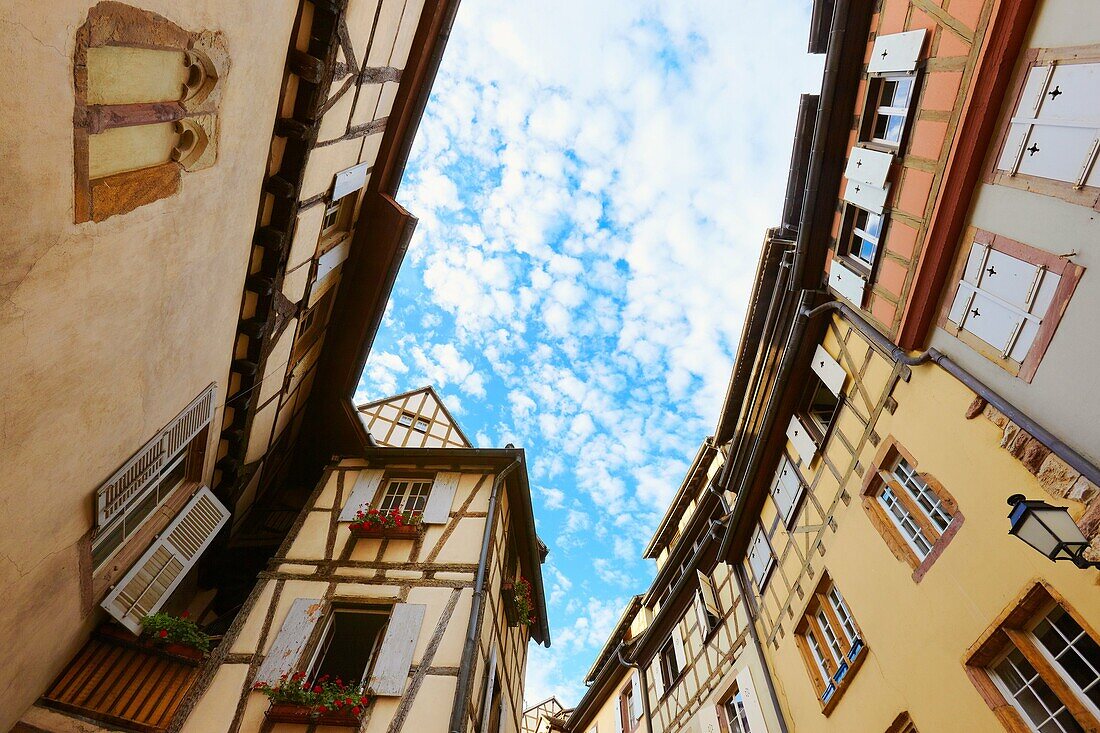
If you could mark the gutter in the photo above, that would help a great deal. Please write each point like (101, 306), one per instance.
(899, 355)
(466, 665)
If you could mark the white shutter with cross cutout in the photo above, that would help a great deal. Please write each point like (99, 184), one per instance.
(619, 715)
(678, 647)
(490, 682)
(867, 196)
(441, 496)
(829, 370)
(1055, 131)
(391, 667)
(751, 700)
(896, 52)
(868, 166)
(149, 583)
(636, 693)
(362, 494)
(846, 283)
(760, 557)
(786, 489)
(350, 180)
(799, 436)
(710, 598)
(288, 645)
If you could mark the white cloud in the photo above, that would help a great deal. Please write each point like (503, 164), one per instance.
(552, 498)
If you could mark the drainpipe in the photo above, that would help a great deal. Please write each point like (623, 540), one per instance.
(466, 668)
(643, 684)
(742, 588)
(1075, 460)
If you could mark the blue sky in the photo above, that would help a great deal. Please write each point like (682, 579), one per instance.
(593, 187)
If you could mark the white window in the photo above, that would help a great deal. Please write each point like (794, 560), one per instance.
(406, 495)
(406, 419)
(787, 489)
(905, 522)
(929, 502)
(891, 97)
(843, 615)
(1002, 300)
(863, 243)
(670, 665)
(1054, 132)
(761, 558)
(737, 715)
(421, 425)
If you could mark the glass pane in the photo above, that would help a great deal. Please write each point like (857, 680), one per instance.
(900, 90)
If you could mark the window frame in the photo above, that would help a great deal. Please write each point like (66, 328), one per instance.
(666, 656)
(871, 108)
(1069, 273)
(731, 724)
(407, 495)
(343, 211)
(1036, 57)
(624, 705)
(818, 433)
(848, 232)
(1012, 630)
(879, 476)
(830, 663)
(327, 627)
(789, 517)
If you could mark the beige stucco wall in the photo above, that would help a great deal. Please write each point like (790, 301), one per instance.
(108, 329)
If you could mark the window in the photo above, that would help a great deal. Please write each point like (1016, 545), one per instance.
(739, 710)
(406, 495)
(337, 219)
(627, 709)
(421, 424)
(114, 536)
(737, 716)
(761, 559)
(1049, 143)
(830, 642)
(670, 664)
(819, 405)
(348, 645)
(710, 613)
(787, 488)
(889, 99)
(862, 232)
(1042, 661)
(406, 419)
(1008, 301)
(902, 724)
(913, 512)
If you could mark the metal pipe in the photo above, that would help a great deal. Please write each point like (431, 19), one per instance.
(1074, 459)
(742, 588)
(643, 685)
(466, 666)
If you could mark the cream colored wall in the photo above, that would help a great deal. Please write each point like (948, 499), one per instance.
(917, 634)
(1063, 397)
(108, 329)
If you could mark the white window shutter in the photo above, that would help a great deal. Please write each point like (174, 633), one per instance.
(619, 715)
(752, 701)
(149, 583)
(349, 180)
(786, 488)
(636, 692)
(800, 438)
(896, 52)
(362, 494)
(866, 196)
(504, 714)
(829, 370)
(868, 166)
(391, 668)
(678, 646)
(332, 259)
(710, 598)
(846, 282)
(438, 508)
(655, 675)
(288, 645)
(490, 683)
(760, 557)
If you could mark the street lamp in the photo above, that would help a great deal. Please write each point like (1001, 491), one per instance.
(1049, 529)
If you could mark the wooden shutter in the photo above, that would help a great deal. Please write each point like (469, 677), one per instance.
(149, 583)
(866, 196)
(490, 683)
(868, 166)
(362, 495)
(391, 669)
(349, 180)
(786, 488)
(846, 283)
(332, 259)
(678, 647)
(710, 598)
(829, 370)
(752, 701)
(760, 557)
(896, 52)
(145, 466)
(620, 713)
(438, 508)
(288, 645)
(636, 692)
(800, 438)
(655, 675)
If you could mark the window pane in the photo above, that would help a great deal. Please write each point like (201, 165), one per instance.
(1073, 650)
(349, 646)
(823, 406)
(899, 91)
(395, 492)
(418, 496)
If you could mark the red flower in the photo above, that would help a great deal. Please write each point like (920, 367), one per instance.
(338, 703)
(322, 709)
(299, 675)
(324, 678)
(163, 633)
(355, 710)
(363, 699)
(317, 689)
(185, 614)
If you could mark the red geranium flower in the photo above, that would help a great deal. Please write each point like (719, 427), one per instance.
(163, 633)
(355, 710)
(317, 689)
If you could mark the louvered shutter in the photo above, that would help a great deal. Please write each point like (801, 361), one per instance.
(752, 701)
(896, 52)
(846, 283)
(710, 598)
(490, 683)
(438, 508)
(678, 647)
(391, 669)
(149, 583)
(350, 180)
(287, 647)
(829, 370)
(867, 196)
(119, 491)
(800, 438)
(868, 166)
(362, 495)
(636, 693)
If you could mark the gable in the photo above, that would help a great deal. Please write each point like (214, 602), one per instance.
(416, 419)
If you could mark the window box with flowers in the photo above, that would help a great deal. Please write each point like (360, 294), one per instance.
(377, 524)
(295, 699)
(174, 636)
(518, 605)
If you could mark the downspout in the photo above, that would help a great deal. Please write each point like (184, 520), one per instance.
(742, 588)
(643, 684)
(1074, 459)
(466, 666)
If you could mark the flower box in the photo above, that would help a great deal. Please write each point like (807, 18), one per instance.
(517, 602)
(285, 712)
(387, 533)
(117, 635)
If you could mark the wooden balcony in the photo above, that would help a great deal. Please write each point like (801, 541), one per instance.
(124, 682)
